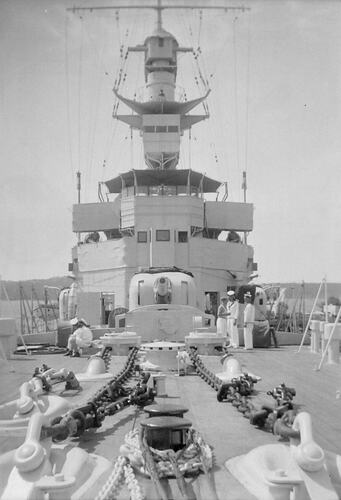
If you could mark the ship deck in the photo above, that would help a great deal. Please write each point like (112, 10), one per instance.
(220, 424)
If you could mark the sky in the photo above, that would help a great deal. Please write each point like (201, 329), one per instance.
(275, 112)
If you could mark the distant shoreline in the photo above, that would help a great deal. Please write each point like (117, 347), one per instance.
(13, 290)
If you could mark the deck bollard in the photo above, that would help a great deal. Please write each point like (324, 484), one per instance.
(334, 345)
(159, 382)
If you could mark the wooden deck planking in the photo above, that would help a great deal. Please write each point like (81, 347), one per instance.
(220, 424)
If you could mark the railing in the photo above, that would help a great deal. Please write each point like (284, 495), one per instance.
(142, 94)
(162, 190)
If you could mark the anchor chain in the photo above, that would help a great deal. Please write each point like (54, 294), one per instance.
(109, 399)
(276, 419)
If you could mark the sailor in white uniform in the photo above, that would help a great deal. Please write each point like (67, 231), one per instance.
(81, 337)
(249, 320)
(233, 310)
(222, 317)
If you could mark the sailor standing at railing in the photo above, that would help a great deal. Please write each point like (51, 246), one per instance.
(233, 312)
(222, 317)
(249, 321)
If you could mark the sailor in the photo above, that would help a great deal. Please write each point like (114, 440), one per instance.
(249, 320)
(81, 337)
(222, 317)
(233, 310)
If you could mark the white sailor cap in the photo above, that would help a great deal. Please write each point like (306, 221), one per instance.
(230, 293)
(74, 321)
(247, 295)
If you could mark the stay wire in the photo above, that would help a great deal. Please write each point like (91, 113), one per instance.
(122, 79)
(248, 59)
(235, 66)
(80, 71)
(92, 129)
(68, 101)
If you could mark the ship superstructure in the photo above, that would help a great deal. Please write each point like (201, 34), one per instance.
(161, 217)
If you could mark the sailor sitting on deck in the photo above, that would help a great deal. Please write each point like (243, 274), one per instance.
(81, 337)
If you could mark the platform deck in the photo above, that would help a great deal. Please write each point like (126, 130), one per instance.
(220, 424)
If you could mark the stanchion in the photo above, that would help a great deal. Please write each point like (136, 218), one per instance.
(329, 340)
(311, 314)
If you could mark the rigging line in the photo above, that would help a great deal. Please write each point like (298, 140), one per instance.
(189, 148)
(200, 26)
(247, 94)
(131, 149)
(202, 68)
(91, 123)
(139, 63)
(196, 53)
(80, 68)
(141, 156)
(128, 36)
(236, 92)
(117, 17)
(96, 102)
(110, 140)
(68, 111)
(196, 66)
(119, 70)
(180, 78)
(221, 49)
(201, 60)
(181, 18)
(124, 64)
(99, 53)
(94, 123)
(113, 123)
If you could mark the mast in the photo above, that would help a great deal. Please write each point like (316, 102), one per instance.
(159, 15)
(160, 118)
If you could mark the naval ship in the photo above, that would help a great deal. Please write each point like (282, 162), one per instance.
(163, 409)
(162, 230)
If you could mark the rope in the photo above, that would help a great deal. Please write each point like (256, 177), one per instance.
(113, 484)
(150, 464)
(196, 456)
(132, 484)
(122, 471)
(136, 454)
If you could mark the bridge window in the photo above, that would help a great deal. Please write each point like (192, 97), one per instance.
(160, 128)
(149, 128)
(162, 235)
(173, 128)
(182, 236)
(142, 236)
